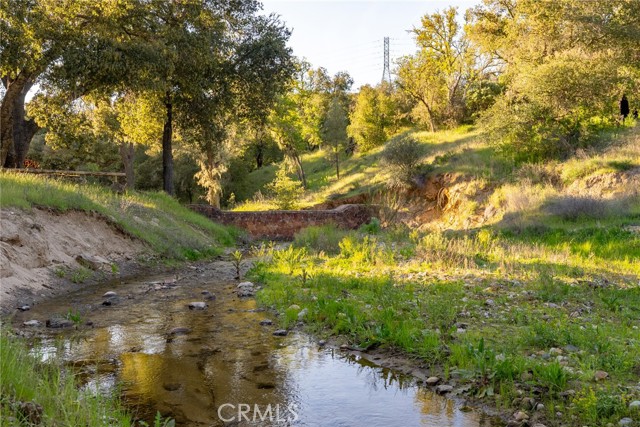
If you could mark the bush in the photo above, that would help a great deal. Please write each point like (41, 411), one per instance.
(286, 190)
(403, 155)
(324, 238)
(572, 208)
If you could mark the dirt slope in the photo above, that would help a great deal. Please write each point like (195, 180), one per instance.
(42, 252)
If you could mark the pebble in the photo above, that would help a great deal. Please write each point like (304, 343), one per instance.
(171, 386)
(322, 343)
(24, 308)
(600, 375)
(520, 416)
(280, 333)
(625, 421)
(197, 305)
(245, 285)
(110, 294)
(539, 407)
(490, 302)
(266, 322)
(245, 292)
(31, 323)
(444, 388)
(432, 381)
(635, 405)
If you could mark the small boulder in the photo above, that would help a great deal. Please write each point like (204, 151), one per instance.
(110, 294)
(444, 389)
(280, 333)
(198, 305)
(432, 381)
(24, 308)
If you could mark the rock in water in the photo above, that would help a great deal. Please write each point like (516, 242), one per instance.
(31, 323)
(281, 333)
(109, 294)
(179, 331)
(197, 305)
(266, 322)
(444, 388)
(432, 381)
(59, 323)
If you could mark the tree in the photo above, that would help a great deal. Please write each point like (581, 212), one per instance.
(372, 118)
(286, 128)
(335, 131)
(565, 65)
(66, 46)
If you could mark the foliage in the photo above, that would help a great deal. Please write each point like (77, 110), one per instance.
(402, 154)
(372, 118)
(287, 191)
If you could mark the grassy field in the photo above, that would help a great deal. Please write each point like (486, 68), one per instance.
(171, 230)
(539, 305)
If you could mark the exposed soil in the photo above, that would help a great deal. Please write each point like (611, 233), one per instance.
(43, 251)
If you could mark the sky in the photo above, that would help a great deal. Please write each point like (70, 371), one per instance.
(349, 35)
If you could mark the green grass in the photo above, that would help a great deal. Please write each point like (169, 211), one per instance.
(487, 307)
(25, 378)
(169, 228)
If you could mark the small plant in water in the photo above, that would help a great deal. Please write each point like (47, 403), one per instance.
(74, 316)
(236, 259)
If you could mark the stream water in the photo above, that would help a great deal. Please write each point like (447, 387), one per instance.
(227, 369)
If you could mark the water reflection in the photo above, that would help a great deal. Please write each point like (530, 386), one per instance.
(228, 360)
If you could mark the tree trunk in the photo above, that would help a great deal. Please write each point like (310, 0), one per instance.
(431, 123)
(337, 163)
(127, 152)
(259, 154)
(167, 153)
(13, 88)
(23, 128)
(301, 174)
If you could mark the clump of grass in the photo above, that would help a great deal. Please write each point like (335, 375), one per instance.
(325, 238)
(169, 228)
(55, 399)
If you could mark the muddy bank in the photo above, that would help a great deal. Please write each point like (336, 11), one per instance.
(44, 253)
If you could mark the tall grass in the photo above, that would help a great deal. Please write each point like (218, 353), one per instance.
(50, 393)
(169, 228)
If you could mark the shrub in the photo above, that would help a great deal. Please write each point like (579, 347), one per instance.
(286, 190)
(571, 208)
(403, 155)
(324, 238)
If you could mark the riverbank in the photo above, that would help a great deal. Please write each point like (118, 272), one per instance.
(527, 323)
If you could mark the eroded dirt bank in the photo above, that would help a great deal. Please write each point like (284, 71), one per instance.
(44, 253)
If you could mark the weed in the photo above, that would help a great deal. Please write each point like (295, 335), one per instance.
(236, 259)
(80, 275)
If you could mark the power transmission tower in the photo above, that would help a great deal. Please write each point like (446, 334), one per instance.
(386, 73)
